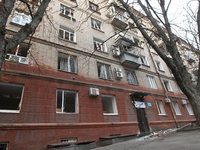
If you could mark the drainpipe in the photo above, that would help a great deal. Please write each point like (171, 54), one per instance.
(165, 91)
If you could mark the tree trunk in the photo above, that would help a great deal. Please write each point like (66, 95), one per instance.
(195, 103)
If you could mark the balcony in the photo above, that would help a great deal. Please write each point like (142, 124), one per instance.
(15, 58)
(123, 39)
(130, 60)
(119, 21)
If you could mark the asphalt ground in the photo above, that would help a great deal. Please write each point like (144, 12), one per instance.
(185, 140)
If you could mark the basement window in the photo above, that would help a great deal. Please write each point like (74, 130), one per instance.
(3, 146)
(18, 54)
(109, 105)
(67, 101)
(10, 97)
(69, 140)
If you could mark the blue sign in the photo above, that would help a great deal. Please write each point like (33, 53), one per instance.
(149, 105)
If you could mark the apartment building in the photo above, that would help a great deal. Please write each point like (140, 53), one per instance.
(84, 77)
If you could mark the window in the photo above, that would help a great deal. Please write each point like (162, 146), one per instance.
(168, 86)
(98, 45)
(67, 34)
(67, 63)
(37, 2)
(96, 24)
(144, 60)
(3, 146)
(109, 104)
(66, 11)
(10, 97)
(131, 77)
(21, 18)
(104, 71)
(18, 54)
(160, 108)
(152, 82)
(94, 7)
(159, 66)
(189, 109)
(67, 101)
(176, 108)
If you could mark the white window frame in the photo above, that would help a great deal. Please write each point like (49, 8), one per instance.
(144, 60)
(152, 82)
(131, 77)
(3, 144)
(96, 24)
(21, 18)
(99, 46)
(20, 102)
(176, 108)
(64, 9)
(113, 102)
(189, 109)
(62, 107)
(66, 60)
(160, 107)
(167, 86)
(17, 58)
(70, 34)
(159, 65)
(105, 71)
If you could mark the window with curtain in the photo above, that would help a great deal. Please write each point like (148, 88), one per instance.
(96, 24)
(99, 45)
(67, 63)
(104, 71)
(152, 82)
(131, 77)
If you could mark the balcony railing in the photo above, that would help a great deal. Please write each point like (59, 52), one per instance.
(15, 58)
(130, 60)
(119, 21)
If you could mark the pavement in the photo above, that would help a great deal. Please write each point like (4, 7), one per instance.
(164, 140)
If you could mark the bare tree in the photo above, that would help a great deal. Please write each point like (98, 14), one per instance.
(174, 62)
(6, 8)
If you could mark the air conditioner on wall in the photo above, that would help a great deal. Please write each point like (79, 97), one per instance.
(183, 102)
(94, 92)
(167, 101)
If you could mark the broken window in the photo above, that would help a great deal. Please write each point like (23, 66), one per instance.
(104, 71)
(168, 86)
(67, 63)
(176, 108)
(21, 18)
(160, 108)
(10, 97)
(67, 34)
(67, 101)
(66, 11)
(109, 104)
(3, 146)
(96, 24)
(18, 54)
(94, 7)
(131, 77)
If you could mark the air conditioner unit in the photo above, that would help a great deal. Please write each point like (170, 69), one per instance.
(94, 92)
(116, 53)
(183, 102)
(118, 75)
(117, 69)
(167, 100)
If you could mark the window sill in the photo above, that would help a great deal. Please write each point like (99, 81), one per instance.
(146, 65)
(106, 79)
(100, 51)
(171, 91)
(73, 19)
(162, 70)
(67, 40)
(162, 114)
(67, 72)
(110, 114)
(97, 29)
(95, 11)
(179, 114)
(15, 24)
(67, 113)
(10, 111)
(134, 84)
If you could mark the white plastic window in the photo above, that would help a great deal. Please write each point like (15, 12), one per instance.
(21, 18)
(67, 35)
(176, 108)
(160, 108)
(152, 82)
(109, 105)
